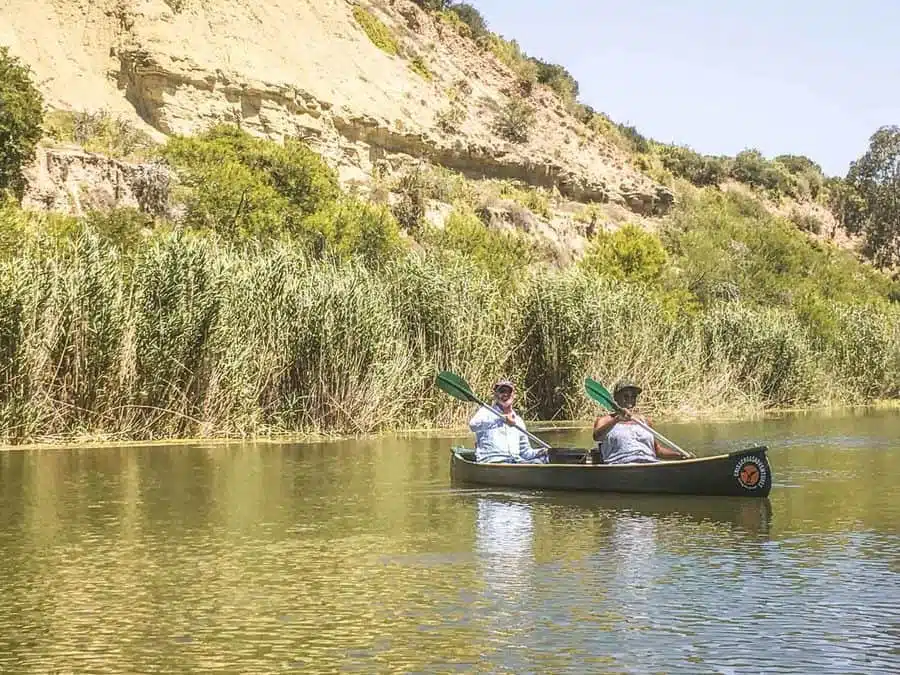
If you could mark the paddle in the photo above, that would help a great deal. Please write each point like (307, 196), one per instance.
(458, 388)
(599, 394)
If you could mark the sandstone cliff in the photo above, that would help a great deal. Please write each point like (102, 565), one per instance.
(307, 68)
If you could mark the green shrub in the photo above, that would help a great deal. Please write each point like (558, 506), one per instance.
(808, 175)
(433, 5)
(509, 53)
(378, 33)
(558, 79)
(502, 253)
(533, 199)
(349, 227)
(727, 246)
(629, 253)
(241, 186)
(692, 166)
(21, 117)
(751, 168)
(418, 66)
(806, 222)
(472, 18)
(515, 121)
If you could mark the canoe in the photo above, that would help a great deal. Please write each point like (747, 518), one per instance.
(742, 473)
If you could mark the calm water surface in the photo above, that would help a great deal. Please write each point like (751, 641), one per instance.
(361, 556)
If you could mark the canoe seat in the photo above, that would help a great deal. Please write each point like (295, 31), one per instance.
(570, 455)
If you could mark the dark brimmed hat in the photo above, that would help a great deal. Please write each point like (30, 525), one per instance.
(624, 384)
(504, 383)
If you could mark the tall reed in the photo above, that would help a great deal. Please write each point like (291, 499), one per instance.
(186, 335)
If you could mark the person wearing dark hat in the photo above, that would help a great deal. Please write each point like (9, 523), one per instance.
(621, 439)
(496, 438)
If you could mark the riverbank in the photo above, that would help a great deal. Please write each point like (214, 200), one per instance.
(89, 442)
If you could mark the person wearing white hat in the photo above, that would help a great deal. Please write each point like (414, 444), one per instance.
(497, 439)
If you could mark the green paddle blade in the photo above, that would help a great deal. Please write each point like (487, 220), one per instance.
(455, 386)
(597, 392)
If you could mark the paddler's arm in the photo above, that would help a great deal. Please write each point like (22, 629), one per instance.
(661, 450)
(603, 423)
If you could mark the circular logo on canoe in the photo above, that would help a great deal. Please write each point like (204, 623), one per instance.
(750, 473)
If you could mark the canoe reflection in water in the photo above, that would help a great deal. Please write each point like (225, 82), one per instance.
(748, 515)
(504, 546)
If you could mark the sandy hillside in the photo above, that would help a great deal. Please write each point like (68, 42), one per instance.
(307, 68)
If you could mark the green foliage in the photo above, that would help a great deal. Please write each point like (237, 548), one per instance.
(417, 65)
(874, 211)
(99, 132)
(378, 33)
(21, 116)
(727, 247)
(472, 18)
(766, 349)
(510, 53)
(533, 199)
(701, 170)
(558, 79)
(502, 253)
(630, 253)
(241, 186)
(349, 227)
(751, 168)
(806, 222)
(808, 175)
(433, 5)
(515, 120)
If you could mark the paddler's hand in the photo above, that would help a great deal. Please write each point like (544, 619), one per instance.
(510, 420)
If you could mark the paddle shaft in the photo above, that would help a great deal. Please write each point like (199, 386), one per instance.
(658, 435)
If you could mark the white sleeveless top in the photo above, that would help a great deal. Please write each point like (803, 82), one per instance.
(628, 442)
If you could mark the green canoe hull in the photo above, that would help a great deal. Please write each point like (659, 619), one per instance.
(743, 473)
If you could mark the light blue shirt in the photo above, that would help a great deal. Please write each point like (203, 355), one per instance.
(496, 441)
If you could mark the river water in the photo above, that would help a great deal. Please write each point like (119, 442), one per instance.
(360, 556)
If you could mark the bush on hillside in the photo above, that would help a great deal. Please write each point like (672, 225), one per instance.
(351, 228)
(751, 168)
(692, 166)
(515, 120)
(433, 5)
(809, 176)
(378, 33)
(628, 254)
(510, 53)
(21, 116)
(557, 78)
(726, 246)
(242, 186)
(501, 253)
(472, 18)
(98, 132)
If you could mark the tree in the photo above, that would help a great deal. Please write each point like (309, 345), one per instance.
(876, 214)
(21, 117)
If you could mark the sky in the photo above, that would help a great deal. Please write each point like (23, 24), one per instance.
(805, 77)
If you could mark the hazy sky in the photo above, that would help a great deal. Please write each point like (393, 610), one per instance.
(785, 76)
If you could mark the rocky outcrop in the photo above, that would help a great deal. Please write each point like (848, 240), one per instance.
(306, 68)
(74, 182)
